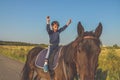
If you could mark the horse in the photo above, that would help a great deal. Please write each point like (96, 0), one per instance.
(66, 70)
(87, 50)
(29, 68)
(84, 52)
(75, 57)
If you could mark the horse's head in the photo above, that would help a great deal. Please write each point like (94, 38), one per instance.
(88, 50)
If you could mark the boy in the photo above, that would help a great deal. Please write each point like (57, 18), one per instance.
(54, 41)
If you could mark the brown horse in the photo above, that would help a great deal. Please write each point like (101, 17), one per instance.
(82, 52)
(87, 50)
(60, 71)
(66, 70)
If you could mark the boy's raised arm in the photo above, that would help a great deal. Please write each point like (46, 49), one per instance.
(65, 26)
(48, 24)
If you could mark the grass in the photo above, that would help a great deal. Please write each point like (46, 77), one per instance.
(15, 52)
(109, 59)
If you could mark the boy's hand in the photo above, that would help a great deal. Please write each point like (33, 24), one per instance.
(48, 19)
(69, 21)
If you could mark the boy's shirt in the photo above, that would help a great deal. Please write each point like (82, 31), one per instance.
(54, 36)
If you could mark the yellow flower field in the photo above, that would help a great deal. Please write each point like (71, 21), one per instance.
(109, 60)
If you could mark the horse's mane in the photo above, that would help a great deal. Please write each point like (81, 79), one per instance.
(89, 33)
(69, 50)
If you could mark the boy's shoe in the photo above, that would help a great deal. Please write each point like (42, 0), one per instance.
(45, 67)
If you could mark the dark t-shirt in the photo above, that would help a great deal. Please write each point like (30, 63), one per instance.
(55, 36)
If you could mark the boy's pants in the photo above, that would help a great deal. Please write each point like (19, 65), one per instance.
(50, 55)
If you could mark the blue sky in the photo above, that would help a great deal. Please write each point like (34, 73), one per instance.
(25, 20)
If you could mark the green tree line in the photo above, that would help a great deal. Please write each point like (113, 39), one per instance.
(13, 43)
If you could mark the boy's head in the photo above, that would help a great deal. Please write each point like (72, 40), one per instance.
(55, 25)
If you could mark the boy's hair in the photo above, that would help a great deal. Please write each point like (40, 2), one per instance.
(55, 22)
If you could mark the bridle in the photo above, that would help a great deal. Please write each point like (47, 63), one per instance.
(89, 37)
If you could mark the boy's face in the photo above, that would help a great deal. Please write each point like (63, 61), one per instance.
(55, 27)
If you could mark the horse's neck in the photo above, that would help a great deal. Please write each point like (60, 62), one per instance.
(68, 53)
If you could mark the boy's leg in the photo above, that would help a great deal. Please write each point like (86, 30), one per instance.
(46, 61)
(51, 59)
(48, 53)
(51, 56)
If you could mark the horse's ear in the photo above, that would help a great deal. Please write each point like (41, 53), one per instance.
(98, 30)
(80, 29)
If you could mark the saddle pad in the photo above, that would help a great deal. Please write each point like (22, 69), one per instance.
(39, 62)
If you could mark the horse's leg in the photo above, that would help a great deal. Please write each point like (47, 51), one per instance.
(28, 69)
(27, 73)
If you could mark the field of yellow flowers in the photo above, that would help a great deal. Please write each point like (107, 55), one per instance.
(109, 60)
